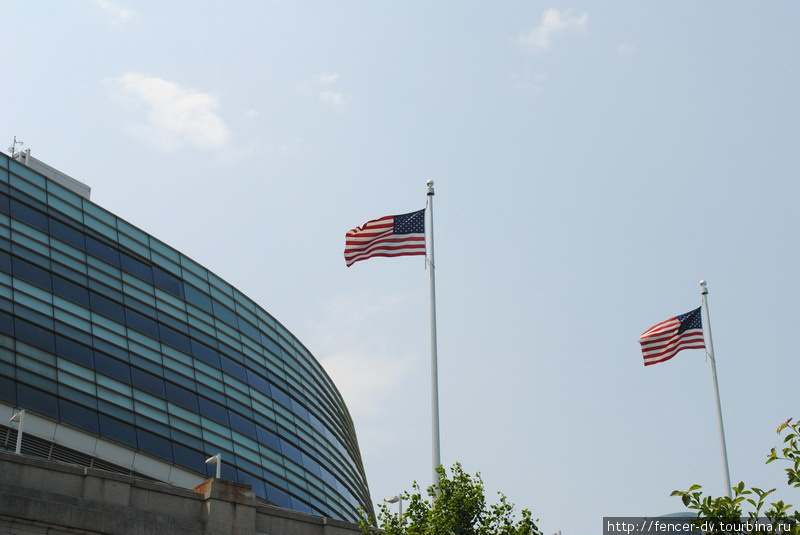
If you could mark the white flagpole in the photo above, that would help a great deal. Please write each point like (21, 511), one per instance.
(434, 364)
(707, 330)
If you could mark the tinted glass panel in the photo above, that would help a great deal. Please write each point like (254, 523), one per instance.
(69, 290)
(191, 459)
(258, 383)
(74, 351)
(282, 397)
(27, 214)
(167, 281)
(147, 382)
(291, 452)
(268, 438)
(33, 274)
(154, 444)
(278, 497)
(198, 298)
(136, 267)
(4, 204)
(102, 251)
(243, 425)
(117, 430)
(107, 307)
(205, 353)
(141, 323)
(112, 367)
(78, 416)
(34, 335)
(213, 410)
(67, 234)
(181, 396)
(224, 313)
(37, 401)
(6, 324)
(5, 262)
(8, 390)
(175, 339)
(233, 368)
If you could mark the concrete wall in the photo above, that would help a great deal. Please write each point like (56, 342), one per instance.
(53, 498)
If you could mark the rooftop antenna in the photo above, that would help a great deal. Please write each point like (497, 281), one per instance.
(13, 148)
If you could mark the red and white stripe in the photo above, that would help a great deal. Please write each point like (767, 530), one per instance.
(662, 342)
(377, 238)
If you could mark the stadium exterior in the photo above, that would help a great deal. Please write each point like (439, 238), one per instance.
(128, 356)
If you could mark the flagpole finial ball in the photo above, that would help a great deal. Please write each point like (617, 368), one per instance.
(703, 283)
(430, 183)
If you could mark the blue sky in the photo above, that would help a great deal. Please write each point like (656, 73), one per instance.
(593, 161)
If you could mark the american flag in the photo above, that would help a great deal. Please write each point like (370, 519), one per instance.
(393, 235)
(663, 341)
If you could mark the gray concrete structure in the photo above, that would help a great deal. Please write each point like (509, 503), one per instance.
(48, 497)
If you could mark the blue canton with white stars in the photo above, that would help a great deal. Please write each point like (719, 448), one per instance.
(690, 320)
(413, 223)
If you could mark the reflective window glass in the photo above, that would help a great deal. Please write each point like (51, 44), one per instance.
(189, 458)
(136, 267)
(34, 335)
(25, 213)
(290, 451)
(174, 338)
(182, 396)
(167, 281)
(5, 262)
(33, 274)
(281, 397)
(102, 251)
(198, 298)
(117, 430)
(213, 410)
(78, 415)
(37, 401)
(107, 307)
(268, 438)
(74, 351)
(224, 313)
(4, 203)
(69, 290)
(67, 234)
(258, 383)
(141, 323)
(8, 390)
(112, 367)
(278, 497)
(233, 368)
(147, 382)
(243, 425)
(6, 324)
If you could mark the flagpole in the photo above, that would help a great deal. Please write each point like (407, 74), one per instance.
(726, 471)
(434, 364)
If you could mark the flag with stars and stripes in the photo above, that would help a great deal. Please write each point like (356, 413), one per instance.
(663, 341)
(393, 235)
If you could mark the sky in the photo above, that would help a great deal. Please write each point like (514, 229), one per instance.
(593, 161)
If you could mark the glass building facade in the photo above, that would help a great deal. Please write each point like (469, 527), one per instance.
(107, 330)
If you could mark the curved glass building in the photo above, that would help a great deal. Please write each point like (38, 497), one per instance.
(126, 354)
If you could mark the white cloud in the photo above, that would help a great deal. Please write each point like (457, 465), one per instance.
(115, 12)
(320, 85)
(332, 98)
(625, 49)
(176, 116)
(326, 79)
(553, 23)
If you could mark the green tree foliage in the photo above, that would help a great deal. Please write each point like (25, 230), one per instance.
(727, 512)
(454, 506)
